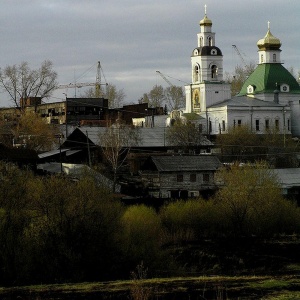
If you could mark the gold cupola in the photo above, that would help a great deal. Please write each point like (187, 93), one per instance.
(269, 42)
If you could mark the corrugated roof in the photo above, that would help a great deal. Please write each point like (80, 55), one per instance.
(266, 77)
(288, 177)
(150, 136)
(186, 163)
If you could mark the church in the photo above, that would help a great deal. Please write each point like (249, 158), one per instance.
(268, 100)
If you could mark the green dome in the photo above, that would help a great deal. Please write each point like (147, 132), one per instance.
(266, 77)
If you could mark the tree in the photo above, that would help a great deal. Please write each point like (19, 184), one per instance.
(239, 76)
(251, 201)
(20, 82)
(175, 97)
(34, 133)
(156, 96)
(184, 135)
(115, 97)
(239, 143)
(116, 143)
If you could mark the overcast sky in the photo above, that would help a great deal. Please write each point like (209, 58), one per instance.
(134, 38)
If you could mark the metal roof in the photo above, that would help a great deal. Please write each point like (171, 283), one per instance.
(150, 136)
(266, 77)
(288, 177)
(186, 163)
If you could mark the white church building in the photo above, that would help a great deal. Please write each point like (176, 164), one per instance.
(269, 98)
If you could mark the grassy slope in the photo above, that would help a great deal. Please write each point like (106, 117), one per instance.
(261, 287)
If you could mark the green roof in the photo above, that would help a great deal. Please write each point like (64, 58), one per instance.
(265, 78)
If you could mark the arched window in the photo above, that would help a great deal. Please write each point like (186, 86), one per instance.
(201, 41)
(274, 57)
(262, 58)
(209, 41)
(196, 72)
(214, 71)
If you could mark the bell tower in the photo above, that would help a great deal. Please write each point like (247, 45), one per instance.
(207, 86)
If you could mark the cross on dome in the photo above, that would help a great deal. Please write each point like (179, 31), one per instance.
(205, 6)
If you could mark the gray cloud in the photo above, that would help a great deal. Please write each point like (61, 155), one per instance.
(133, 39)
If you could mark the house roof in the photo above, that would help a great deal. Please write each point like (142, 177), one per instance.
(150, 136)
(266, 77)
(289, 177)
(186, 163)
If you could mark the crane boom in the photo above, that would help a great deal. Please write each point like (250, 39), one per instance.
(164, 78)
(240, 55)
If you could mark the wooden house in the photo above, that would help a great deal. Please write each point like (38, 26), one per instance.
(180, 176)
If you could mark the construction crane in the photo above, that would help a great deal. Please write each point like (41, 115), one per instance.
(96, 84)
(240, 55)
(164, 78)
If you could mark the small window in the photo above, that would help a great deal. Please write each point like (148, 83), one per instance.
(288, 123)
(277, 124)
(274, 57)
(257, 125)
(223, 125)
(267, 124)
(179, 177)
(205, 178)
(262, 58)
(193, 177)
(239, 123)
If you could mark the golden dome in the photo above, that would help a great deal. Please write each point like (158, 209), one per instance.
(269, 42)
(206, 21)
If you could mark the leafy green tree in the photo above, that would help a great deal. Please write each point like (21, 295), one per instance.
(142, 232)
(251, 201)
(21, 82)
(34, 133)
(77, 231)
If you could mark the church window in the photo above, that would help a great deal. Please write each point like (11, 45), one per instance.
(201, 41)
(210, 126)
(277, 124)
(257, 125)
(262, 58)
(288, 124)
(274, 57)
(239, 123)
(214, 71)
(209, 41)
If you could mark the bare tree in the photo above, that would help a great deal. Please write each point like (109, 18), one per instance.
(239, 76)
(175, 97)
(20, 82)
(115, 97)
(116, 143)
(156, 96)
(183, 135)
